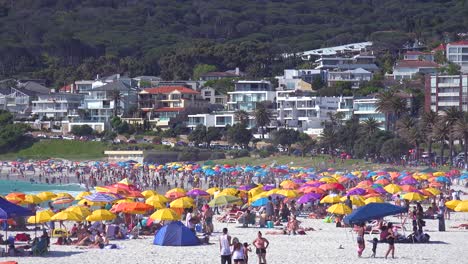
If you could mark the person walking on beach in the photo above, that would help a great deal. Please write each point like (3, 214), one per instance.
(225, 247)
(261, 244)
(391, 240)
(360, 239)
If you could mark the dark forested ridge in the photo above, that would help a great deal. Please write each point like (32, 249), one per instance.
(62, 40)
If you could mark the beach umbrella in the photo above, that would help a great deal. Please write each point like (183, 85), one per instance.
(260, 202)
(91, 203)
(255, 191)
(15, 196)
(331, 199)
(392, 188)
(32, 199)
(408, 188)
(310, 189)
(442, 179)
(212, 190)
(41, 217)
(66, 216)
(332, 186)
(413, 196)
(160, 198)
(328, 180)
(229, 191)
(165, 214)
(100, 215)
(148, 193)
(288, 184)
(62, 195)
(452, 204)
(197, 192)
(46, 196)
(259, 196)
(81, 195)
(63, 200)
(462, 206)
(356, 191)
(339, 209)
(155, 203)
(355, 200)
(373, 211)
(181, 203)
(375, 199)
(310, 197)
(288, 193)
(223, 200)
(433, 191)
(100, 197)
(132, 208)
(82, 211)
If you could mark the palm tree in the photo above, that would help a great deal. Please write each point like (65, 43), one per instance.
(428, 122)
(242, 117)
(440, 134)
(116, 97)
(262, 117)
(393, 106)
(452, 114)
(408, 128)
(328, 137)
(370, 126)
(461, 131)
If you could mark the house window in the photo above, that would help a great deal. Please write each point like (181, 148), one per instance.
(207, 93)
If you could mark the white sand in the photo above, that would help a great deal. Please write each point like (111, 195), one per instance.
(319, 246)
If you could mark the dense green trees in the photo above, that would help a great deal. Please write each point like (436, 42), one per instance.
(12, 136)
(84, 130)
(201, 134)
(66, 40)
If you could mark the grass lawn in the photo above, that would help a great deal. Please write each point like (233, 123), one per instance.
(64, 149)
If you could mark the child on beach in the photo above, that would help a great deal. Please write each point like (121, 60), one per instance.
(247, 249)
(374, 246)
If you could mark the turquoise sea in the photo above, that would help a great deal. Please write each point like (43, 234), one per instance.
(33, 188)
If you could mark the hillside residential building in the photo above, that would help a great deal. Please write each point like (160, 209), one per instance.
(418, 55)
(166, 102)
(299, 79)
(59, 106)
(407, 69)
(366, 62)
(248, 93)
(213, 96)
(355, 77)
(211, 120)
(213, 76)
(333, 51)
(101, 103)
(361, 107)
(445, 91)
(15, 101)
(83, 86)
(457, 52)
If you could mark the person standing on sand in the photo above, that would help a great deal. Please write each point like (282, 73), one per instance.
(261, 244)
(391, 241)
(225, 247)
(360, 239)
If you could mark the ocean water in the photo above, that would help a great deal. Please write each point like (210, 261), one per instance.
(8, 186)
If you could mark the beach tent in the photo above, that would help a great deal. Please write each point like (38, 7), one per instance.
(10, 210)
(175, 234)
(373, 211)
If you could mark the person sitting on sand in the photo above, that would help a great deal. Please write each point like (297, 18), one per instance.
(118, 233)
(98, 241)
(87, 240)
(293, 225)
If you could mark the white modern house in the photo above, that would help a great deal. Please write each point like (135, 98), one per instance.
(248, 93)
(457, 52)
(59, 106)
(418, 55)
(407, 69)
(355, 77)
(14, 100)
(293, 79)
(211, 120)
(366, 62)
(213, 96)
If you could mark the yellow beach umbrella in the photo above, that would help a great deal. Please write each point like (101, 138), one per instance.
(229, 191)
(181, 203)
(41, 217)
(81, 195)
(148, 193)
(81, 211)
(101, 215)
(156, 204)
(127, 200)
(32, 199)
(178, 190)
(159, 198)
(258, 196)
(212, 190)
(288, 193)
(63, 195)
(328, 180)
(339, 208)
(66, 216)
(272, 191)
(46, 196)
(165, 214)
(413, 196)
(331, 199)
(355, 200)
(433, 190)
(375, 199)
(452, 204)
(91, 203)
(392, 188)
(462, 206)
(224, 200)
(255, 191)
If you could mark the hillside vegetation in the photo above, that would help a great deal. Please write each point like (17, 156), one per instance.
(65, 40)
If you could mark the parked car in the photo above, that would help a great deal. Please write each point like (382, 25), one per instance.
(68, 137)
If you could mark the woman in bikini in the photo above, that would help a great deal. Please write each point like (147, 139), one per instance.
(390, 240)
(360, 239)
(261, 244)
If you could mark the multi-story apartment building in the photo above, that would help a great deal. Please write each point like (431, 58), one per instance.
(355, 77)
(248, 93)
(299, 79)
(15, 100)
(445, 91)
(211, 120)
(212, 96)
(59, 106)
(457, 52)
(361, 107)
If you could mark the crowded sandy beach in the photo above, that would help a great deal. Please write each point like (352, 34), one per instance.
(129, 212)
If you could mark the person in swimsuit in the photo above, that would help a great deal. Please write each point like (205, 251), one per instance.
(390, 240)
(360, 239)
(237, 251)
(225, 247)
(261, 244)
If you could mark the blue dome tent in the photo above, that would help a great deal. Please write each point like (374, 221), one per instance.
(175, 234)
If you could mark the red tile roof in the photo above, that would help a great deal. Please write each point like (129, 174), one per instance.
(170, 89)
(66, 88)
(169, 109)
(416, 64)
(461, 42)
(441, 47)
